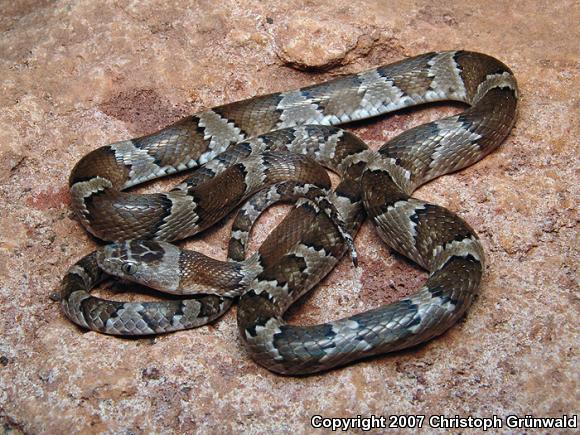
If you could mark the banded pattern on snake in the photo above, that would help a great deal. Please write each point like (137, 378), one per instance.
(279, 140)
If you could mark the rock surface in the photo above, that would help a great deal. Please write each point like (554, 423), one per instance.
(80, 74)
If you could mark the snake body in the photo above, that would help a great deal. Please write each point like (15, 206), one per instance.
(279, 140)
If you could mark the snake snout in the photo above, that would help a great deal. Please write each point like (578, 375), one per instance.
(110, 260)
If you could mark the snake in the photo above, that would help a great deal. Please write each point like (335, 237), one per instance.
(278, 147)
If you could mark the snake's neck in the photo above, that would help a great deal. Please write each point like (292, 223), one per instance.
(201, 274)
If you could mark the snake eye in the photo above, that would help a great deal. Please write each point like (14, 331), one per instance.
(129, 268)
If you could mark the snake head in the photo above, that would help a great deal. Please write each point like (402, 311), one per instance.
(150, 263)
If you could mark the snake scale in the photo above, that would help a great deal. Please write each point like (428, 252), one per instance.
(272, 148)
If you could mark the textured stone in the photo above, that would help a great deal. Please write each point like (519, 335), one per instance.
(80, 74)
(306, 41)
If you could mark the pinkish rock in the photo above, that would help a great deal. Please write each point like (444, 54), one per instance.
(78, 75)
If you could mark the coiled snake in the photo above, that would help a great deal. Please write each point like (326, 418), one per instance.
(270, 148)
